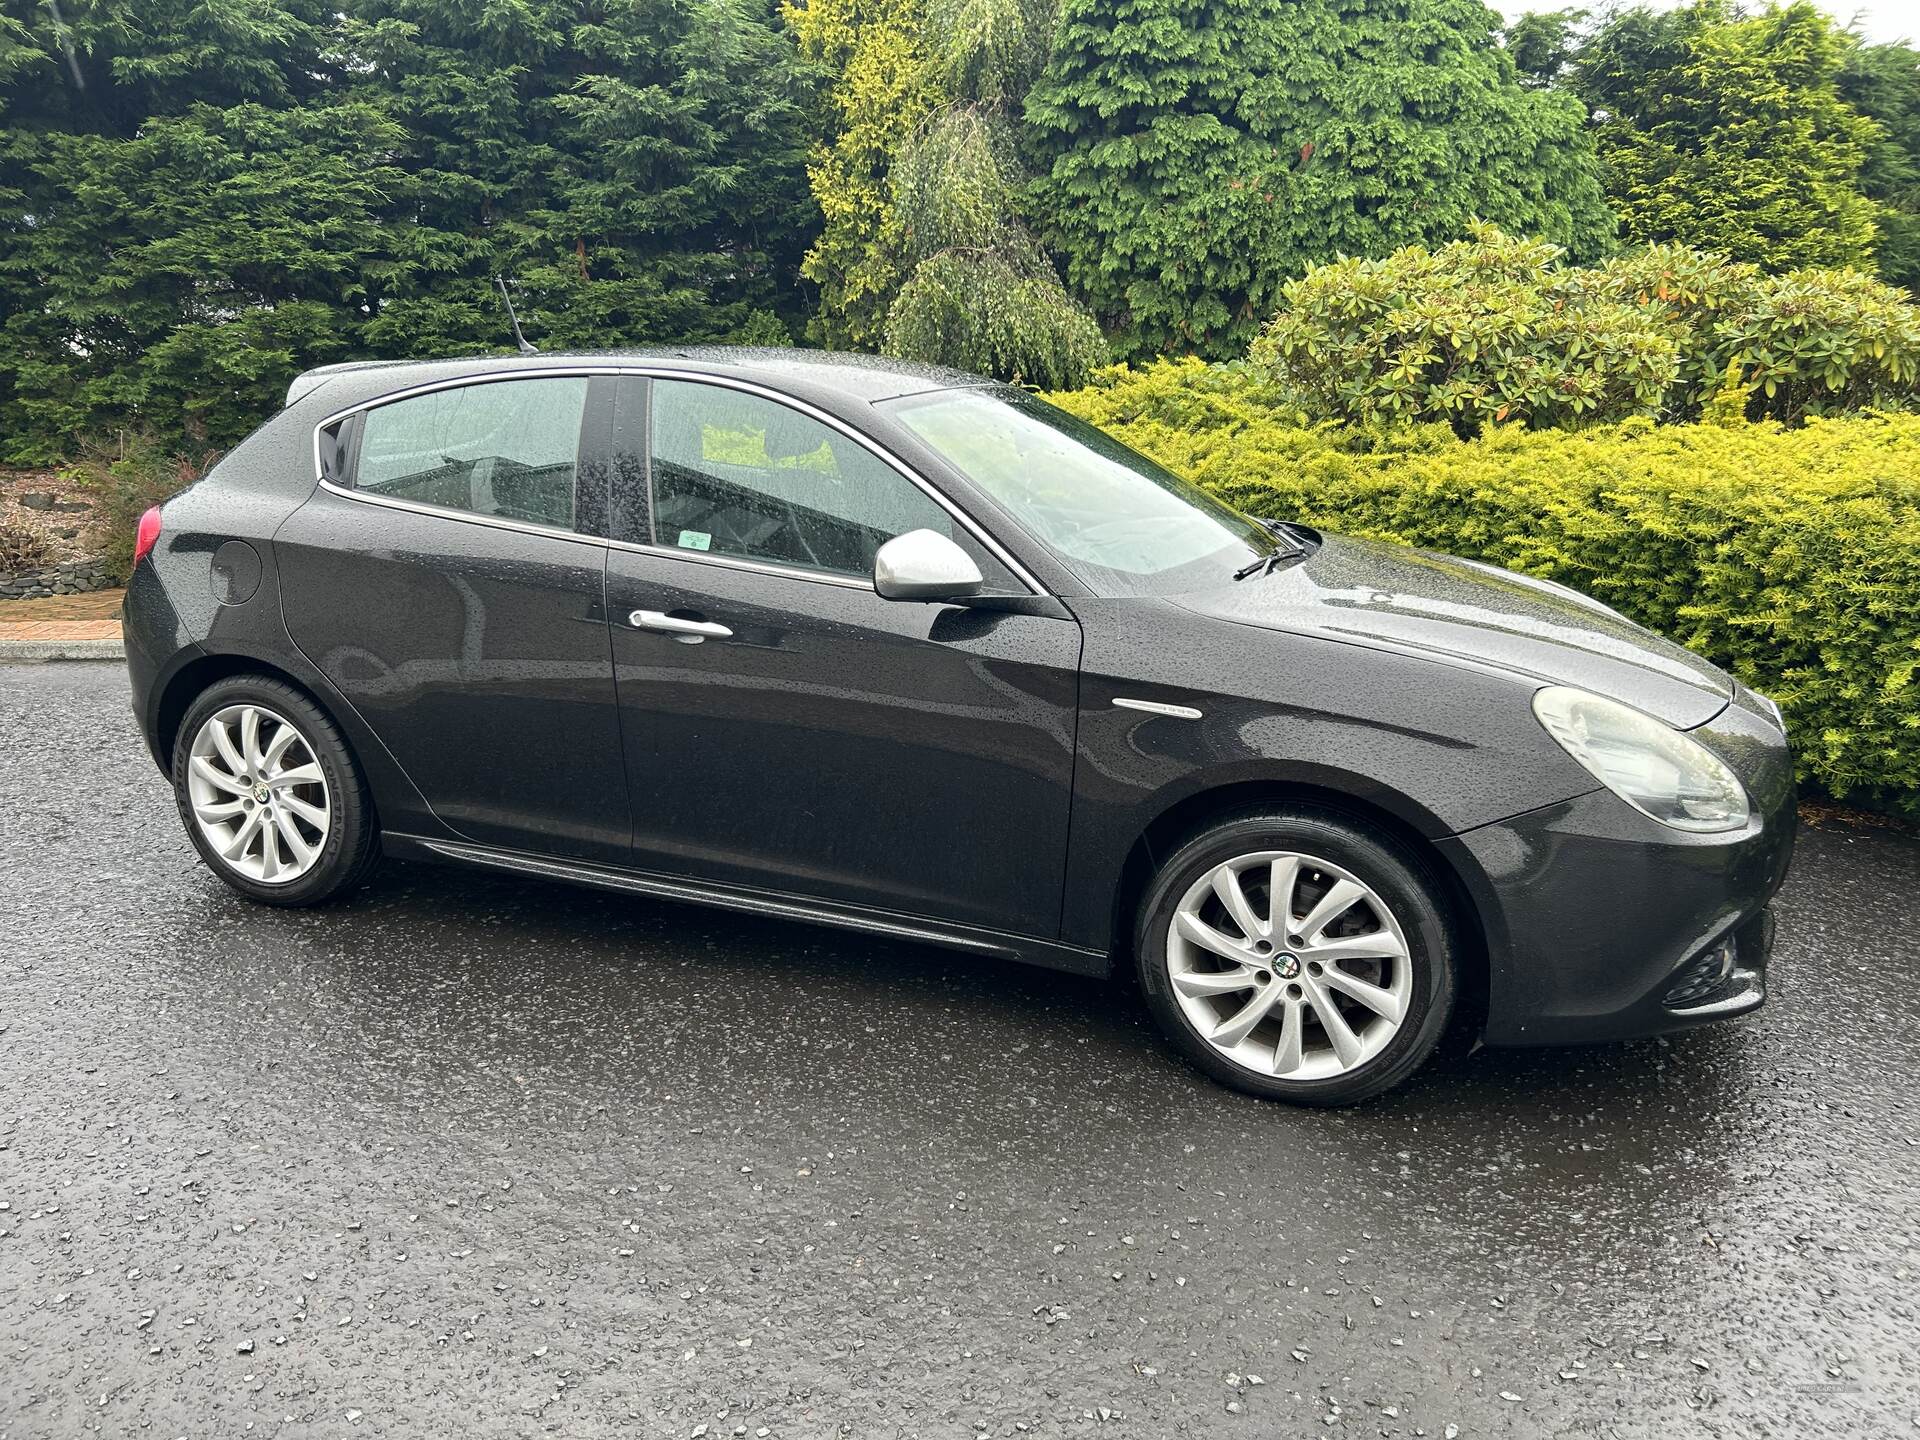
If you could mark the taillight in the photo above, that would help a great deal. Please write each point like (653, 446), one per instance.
(148, 532)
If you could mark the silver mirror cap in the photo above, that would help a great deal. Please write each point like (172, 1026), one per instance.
(924, 565)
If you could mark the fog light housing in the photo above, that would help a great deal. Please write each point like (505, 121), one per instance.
(1701, 979)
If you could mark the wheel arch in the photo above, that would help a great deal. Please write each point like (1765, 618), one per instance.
(395, 799)
(1182, 818)
(192, 679)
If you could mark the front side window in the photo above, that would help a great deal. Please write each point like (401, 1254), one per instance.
(736, 474)
(504, 448)
(1121, 521)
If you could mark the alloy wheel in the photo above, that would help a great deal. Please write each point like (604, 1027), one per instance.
(258, 794)
(1289, 965)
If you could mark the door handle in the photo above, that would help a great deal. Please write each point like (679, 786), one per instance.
(687, 632)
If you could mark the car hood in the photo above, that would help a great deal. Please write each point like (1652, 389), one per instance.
(1372, 593)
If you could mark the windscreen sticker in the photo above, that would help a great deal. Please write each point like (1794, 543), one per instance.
(695, 540)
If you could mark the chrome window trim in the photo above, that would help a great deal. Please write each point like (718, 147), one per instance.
(697, 377)
(428, 387)
(734, 562)
(470, 517)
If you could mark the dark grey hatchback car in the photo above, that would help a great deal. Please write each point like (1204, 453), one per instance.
(905, 651)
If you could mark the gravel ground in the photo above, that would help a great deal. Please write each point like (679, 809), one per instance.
(467, 1156)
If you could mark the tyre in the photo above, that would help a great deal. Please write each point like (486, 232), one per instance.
(1298, 955)
(270, 794)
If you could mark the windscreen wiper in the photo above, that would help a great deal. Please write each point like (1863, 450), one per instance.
(1285, 532)
(1290, 549)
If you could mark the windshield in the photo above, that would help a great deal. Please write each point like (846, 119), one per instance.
(1121, 522)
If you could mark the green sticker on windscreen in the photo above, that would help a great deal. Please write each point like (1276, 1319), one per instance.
(695, 540)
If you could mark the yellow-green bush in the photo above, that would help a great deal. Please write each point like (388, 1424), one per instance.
(1789, 556)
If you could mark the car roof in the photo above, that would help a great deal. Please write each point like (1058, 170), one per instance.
(839, 373)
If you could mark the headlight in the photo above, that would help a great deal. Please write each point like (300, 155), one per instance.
(1657, 770)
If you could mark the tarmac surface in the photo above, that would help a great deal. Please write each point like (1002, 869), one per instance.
(466, 1156)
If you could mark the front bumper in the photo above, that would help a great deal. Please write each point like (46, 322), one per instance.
(1604, 925)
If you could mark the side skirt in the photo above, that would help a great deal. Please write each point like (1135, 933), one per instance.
(1049, 954)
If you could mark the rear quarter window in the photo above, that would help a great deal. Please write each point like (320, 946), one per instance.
(503, 448)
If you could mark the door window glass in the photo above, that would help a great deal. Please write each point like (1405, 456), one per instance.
(736, 474)
(504, 448)
(1124, 522)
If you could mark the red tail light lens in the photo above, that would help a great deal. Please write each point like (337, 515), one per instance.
(148, 532)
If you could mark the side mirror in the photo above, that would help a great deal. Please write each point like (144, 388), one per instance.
(924, 565)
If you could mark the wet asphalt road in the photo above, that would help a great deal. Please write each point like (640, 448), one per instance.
(467, 1156)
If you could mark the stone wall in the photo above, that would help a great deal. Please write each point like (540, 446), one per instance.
(74, 577)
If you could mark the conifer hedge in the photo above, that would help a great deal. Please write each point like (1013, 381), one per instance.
(1789, 556)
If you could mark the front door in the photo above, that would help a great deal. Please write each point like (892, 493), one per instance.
(449, 585)
(813, 737)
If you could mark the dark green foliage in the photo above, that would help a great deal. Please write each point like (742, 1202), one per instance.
(105, 66)
(234, 190)
(1882, 82)
(1790, 556)
(182, 207)
(191, 269)
(635, 170)
(1729, 134)
(1200, 154)
(1545, 43)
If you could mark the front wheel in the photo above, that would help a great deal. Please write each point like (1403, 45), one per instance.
(270, 794)
(1298, 955)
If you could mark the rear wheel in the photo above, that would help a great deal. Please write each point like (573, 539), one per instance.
(270, 794)
(1298, 955)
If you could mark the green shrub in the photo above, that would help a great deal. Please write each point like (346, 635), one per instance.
(1475, 333)
(129, 474)
(1493, 330)
(1821, 342)
(1791, 556)
(1814, 342)
(1684, 291)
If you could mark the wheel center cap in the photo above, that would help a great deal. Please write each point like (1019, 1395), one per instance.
(262, 794)
(1288, 968)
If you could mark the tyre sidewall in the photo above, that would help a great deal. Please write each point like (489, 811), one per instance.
(1407, 886)
(346, 834)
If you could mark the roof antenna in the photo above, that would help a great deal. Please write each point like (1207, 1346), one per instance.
(514, 320)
